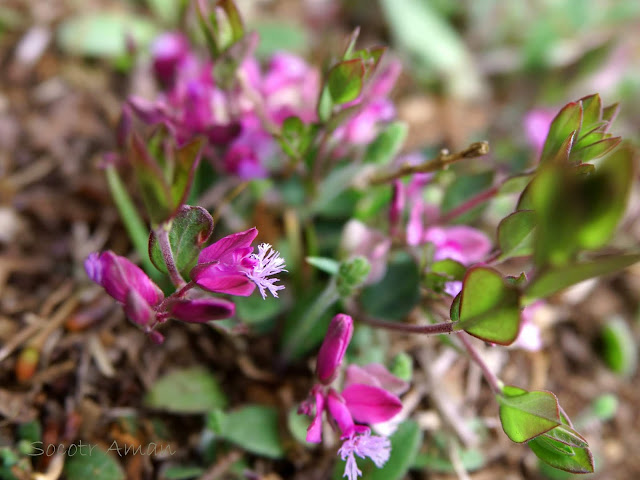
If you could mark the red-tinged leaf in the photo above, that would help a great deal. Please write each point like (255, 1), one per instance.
(564, 150)
(595, 134)
(351, 44)
(489, 307)
(190, 229)
(591, 110)
(515, 234)
(595, 150)
(187, 159)
(568, 120)
(610, 113)
(153, 186)
(234, 18)
(525, 415)
(345, 80)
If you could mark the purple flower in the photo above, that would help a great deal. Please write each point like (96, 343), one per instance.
(334, 347)
(529, 337)
(230, 266)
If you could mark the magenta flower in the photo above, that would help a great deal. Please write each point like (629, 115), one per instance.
(169, 52)
(230, 266)
(364, 400)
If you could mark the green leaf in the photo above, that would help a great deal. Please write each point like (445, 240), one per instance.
(515, 184)
(462, 189)
(254, 428)
(387, 144)
(515, 234)
(433, 43)
(153, 186)
(568, 120)
(279, 36)
(95, 464)
(104, 34)
(554, 279)
(397, 293)
(325, 105)
(324, 264)
(553, 452)
(405, 443)
(594, 150)
(181, 472)
(449, 268)
(489, 307)
(186, 391)
(591, 110)
(187, 159)
(525, 415)
(619, 349)
(298, 425)
(345, 81)
(190, 230)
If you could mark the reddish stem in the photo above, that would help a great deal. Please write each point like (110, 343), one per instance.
(468, 205)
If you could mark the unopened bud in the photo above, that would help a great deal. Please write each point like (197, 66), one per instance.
(334, 347)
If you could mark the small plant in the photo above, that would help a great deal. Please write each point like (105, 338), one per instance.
(318, 153)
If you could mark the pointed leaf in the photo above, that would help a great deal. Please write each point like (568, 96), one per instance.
(568, 120)
(525, 415)
(187, 159)
(387, 145)
(591, 110)
(489, 307)
(554, 279)
(619, 349)
(553, 453)
(610, 113)
(345, 80)
(515, 234)
(190, 230)
(594, 150)
(564, 150)
(153, 186)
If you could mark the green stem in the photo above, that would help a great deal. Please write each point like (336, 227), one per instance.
(326, 299)
(133, 224)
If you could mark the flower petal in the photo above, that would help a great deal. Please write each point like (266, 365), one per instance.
(369, 404)
(223, 249)
(333, 347)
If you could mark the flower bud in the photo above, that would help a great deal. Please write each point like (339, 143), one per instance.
(333, 347)
(201, 310)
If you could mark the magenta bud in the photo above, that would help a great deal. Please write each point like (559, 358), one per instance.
(118, 276)
(137, 309)
(314, 432)
(168, 51)
(201, 310)
(333, 347)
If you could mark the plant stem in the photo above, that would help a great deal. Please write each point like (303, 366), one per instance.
(443, 159)
(162, 234)
(468, 205)
(492, 380)
(433, 329)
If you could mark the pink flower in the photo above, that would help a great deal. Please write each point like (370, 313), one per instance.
(529, 337)
(463, 244)
(230, 266)
(536, 127)
(364, 400)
